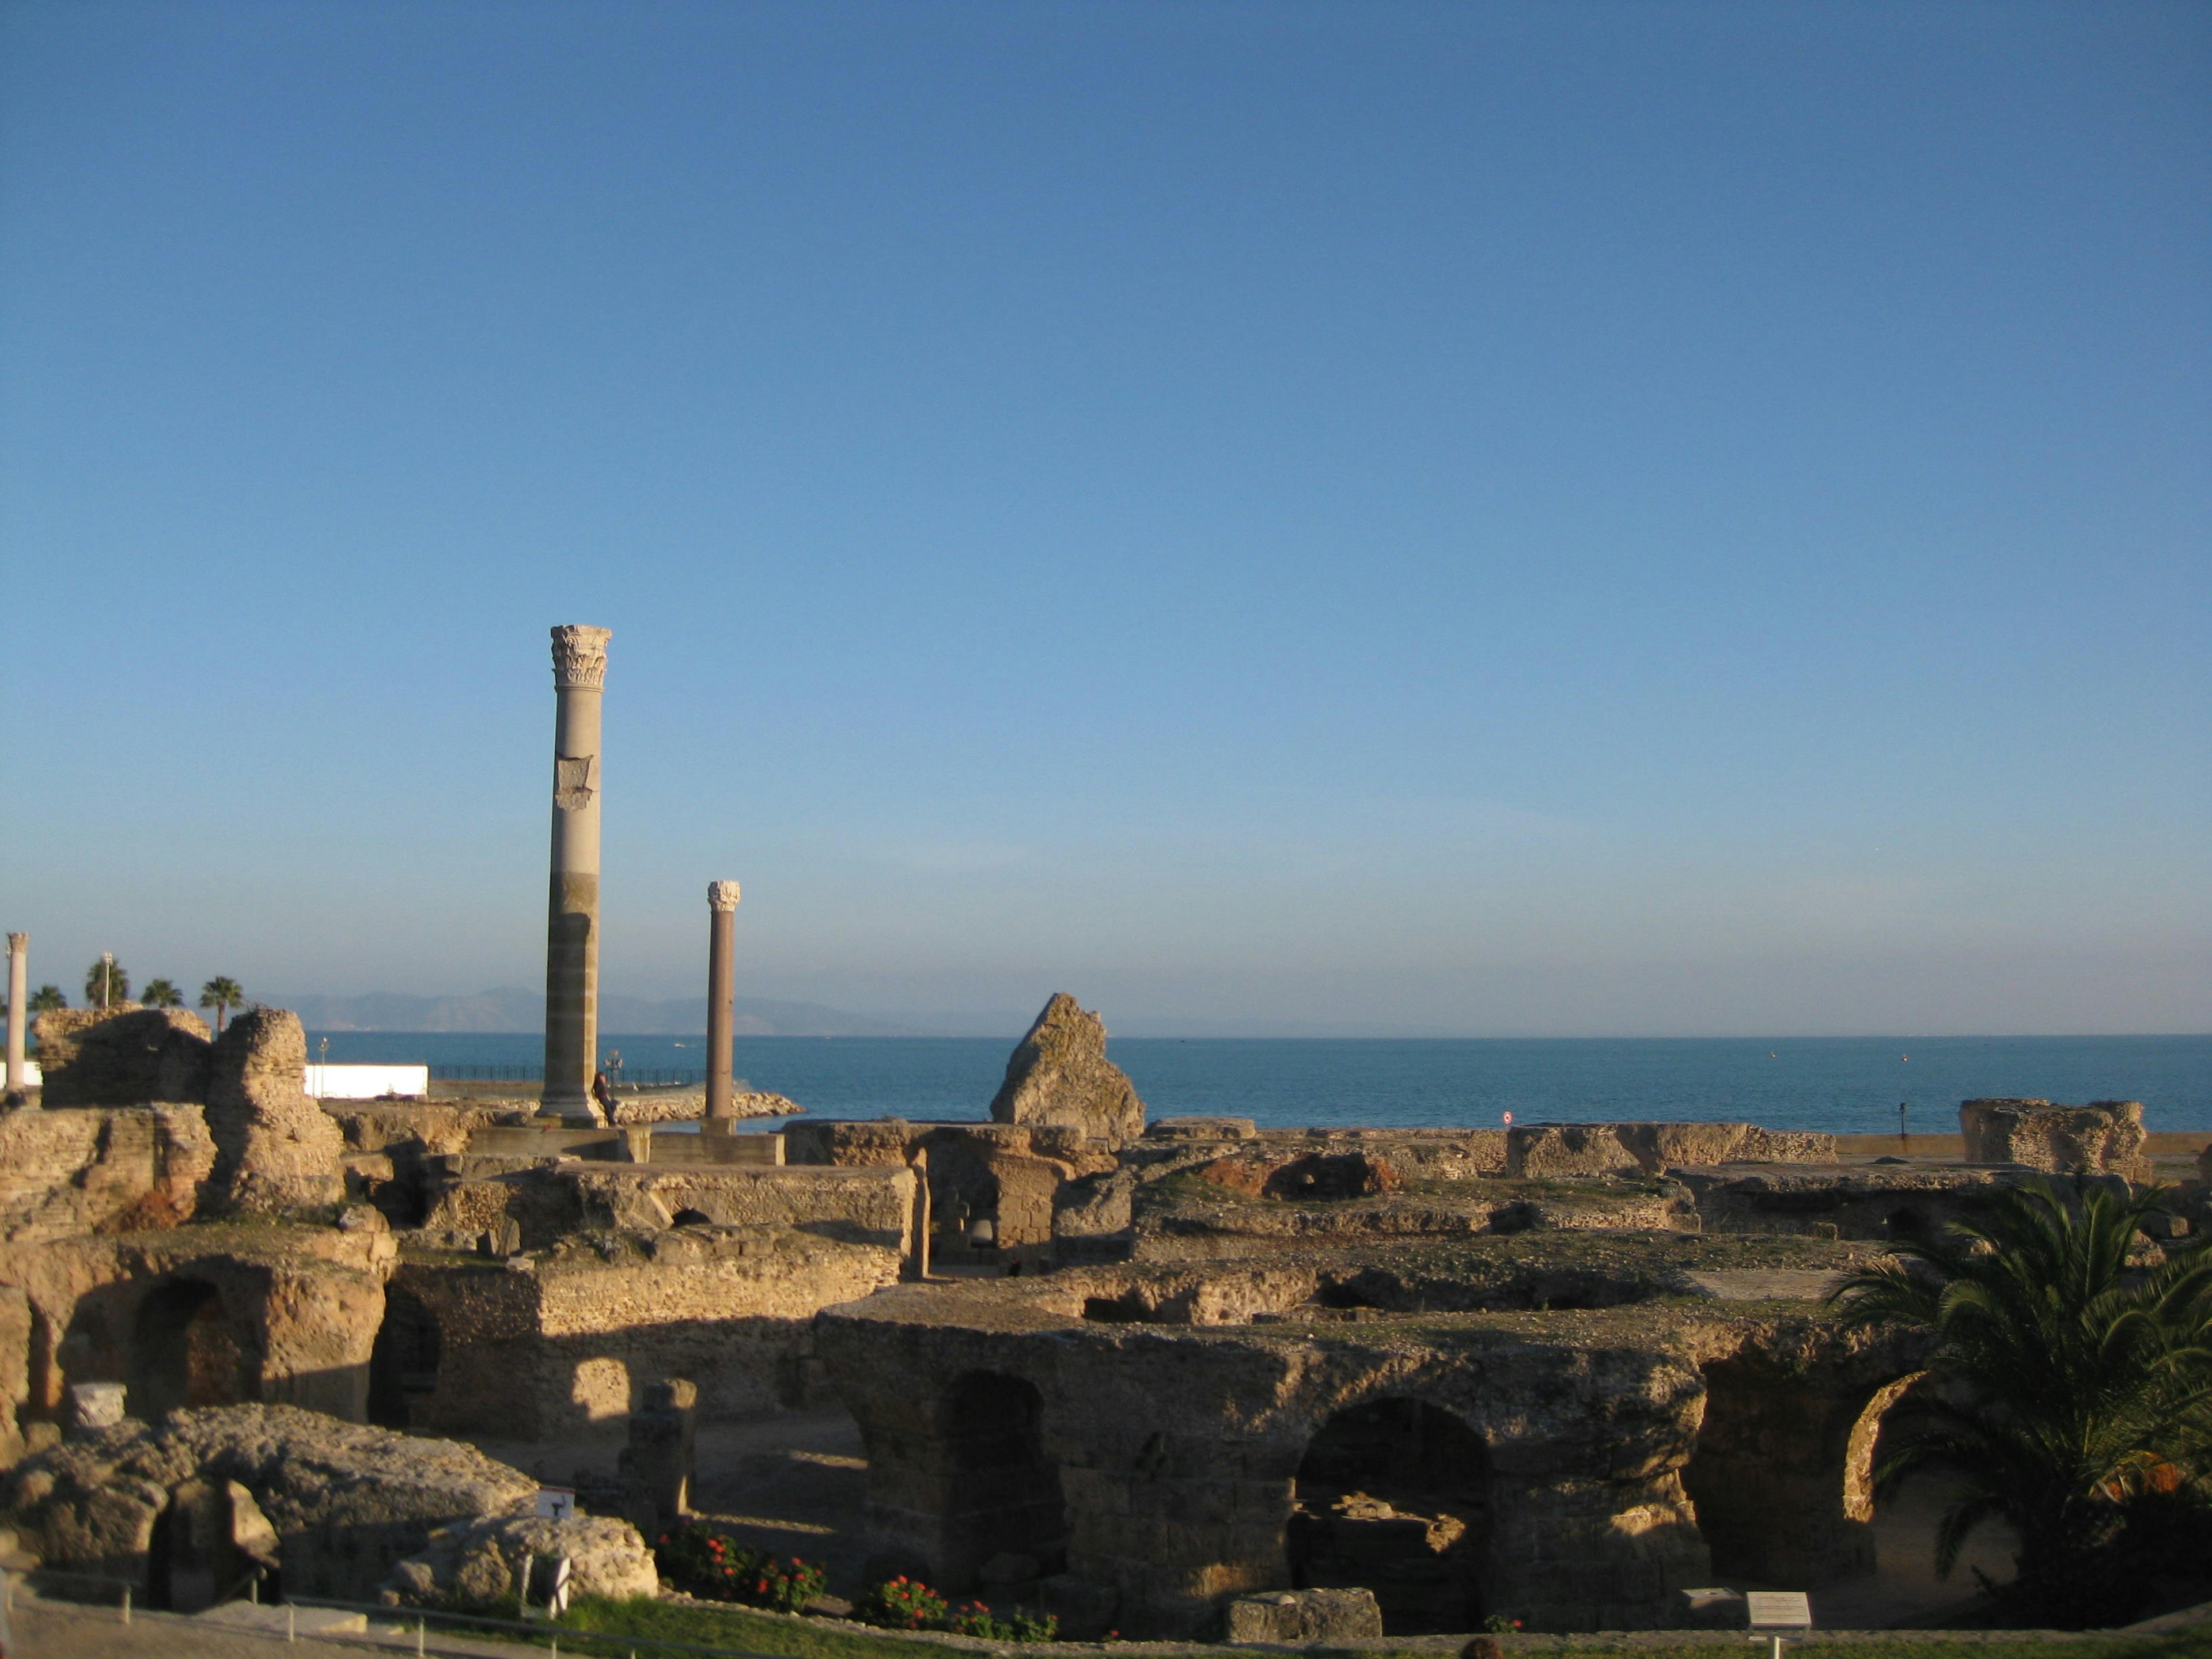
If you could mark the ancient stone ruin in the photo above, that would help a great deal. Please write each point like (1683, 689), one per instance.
(1186, 1378)
(1191, 1378)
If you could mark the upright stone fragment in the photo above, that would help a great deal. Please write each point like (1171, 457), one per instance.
(276, 1149)
(572, 927)
(1059, 1073)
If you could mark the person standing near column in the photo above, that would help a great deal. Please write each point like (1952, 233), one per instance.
(571, 930)
(19, 992)
(721, 999)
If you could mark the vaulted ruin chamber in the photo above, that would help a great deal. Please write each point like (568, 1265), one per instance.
(1781, 1473)
(1003, 1492)
(186, 1350)
(403, 1367)
(1393, 1495)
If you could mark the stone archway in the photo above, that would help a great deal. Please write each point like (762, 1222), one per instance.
(1781, 1471)
(1002, 1491)
(403, 1367)
(1394, 1496)
(186, 1350)
(1860, 1449)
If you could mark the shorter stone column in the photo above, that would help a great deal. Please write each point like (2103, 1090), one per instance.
(656, 1465)
(19, 996)
(721, 999)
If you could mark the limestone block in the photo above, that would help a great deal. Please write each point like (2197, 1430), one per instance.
(2103, 1137)
(1304, 1617)
(276, 1149)
(95, 1406)
(489, 1561)
(122, 1056)
(1058, 1074)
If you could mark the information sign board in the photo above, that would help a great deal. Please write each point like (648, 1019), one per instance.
(1779, 1610)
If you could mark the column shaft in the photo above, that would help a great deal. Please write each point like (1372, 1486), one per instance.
(572, 932)
(19, 994)
(722, 995)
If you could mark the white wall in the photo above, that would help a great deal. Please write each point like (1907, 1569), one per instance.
(367, 1082)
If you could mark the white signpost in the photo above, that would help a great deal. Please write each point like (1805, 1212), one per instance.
(556, 1502)
(1776, 1615)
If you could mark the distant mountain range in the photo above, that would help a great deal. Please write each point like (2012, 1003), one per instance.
(510, 1008)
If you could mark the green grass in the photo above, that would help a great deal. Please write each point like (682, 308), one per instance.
(2187, 1644)
(728, 1627)
(636, 1623)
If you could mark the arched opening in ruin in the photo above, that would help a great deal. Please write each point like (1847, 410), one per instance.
(403, 1366)
(1769, 1474)
(1001, 1491)
(1394, 1496)
(691, 1218)
(186, 1350)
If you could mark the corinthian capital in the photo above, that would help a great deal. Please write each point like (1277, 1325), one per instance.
(721, 895)
(16, 942)
(580, 656)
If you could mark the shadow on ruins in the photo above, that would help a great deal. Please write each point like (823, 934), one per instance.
(1578, 1375)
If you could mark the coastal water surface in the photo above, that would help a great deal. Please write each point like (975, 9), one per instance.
(1847, 1085)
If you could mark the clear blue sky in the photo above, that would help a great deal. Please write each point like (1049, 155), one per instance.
(1474, 519)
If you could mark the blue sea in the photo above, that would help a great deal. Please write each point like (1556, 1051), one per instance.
(1847, 1085)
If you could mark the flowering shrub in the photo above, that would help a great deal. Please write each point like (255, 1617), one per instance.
(977, 1619)
(1498, 1625)
(902, 1603)
(699, 1561)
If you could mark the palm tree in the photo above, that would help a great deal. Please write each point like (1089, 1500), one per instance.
(2070, 1394)
(48, 999)
(222, 994)
(106, 982)
(160, 993)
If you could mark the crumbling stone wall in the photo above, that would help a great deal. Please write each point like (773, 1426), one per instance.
(1175, 1409)
(275, 1149)
(122, 1056)
(542, 1346)
(1177, 1457)
(294, 1308)
(1539, 1150)
(1898, 1202)
(2106, 1136)
(122, 1168)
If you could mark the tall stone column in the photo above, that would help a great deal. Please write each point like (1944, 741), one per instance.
(572, 928)
(19, 996)
(721, 996)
